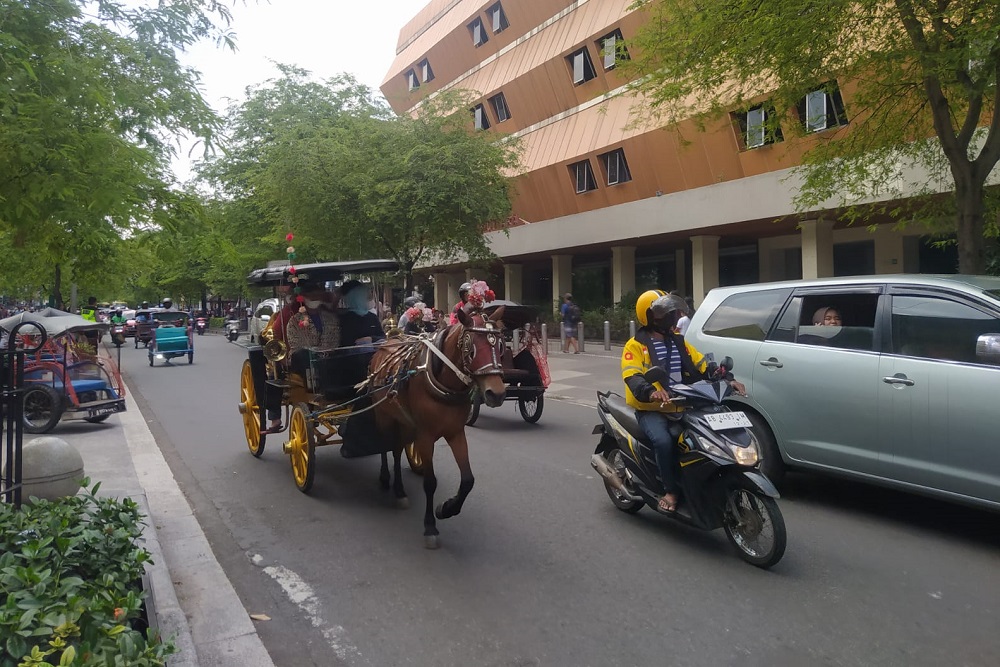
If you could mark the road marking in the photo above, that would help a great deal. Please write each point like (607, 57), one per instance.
(302, 594)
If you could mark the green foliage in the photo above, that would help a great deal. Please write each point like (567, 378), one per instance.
(919, 81)
(70, 582)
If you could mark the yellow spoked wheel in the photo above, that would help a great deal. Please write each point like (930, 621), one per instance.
(417, 463)
(301, 447)
(251, 411)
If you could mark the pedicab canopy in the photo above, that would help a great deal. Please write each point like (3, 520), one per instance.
(273, 276)
(56, 322)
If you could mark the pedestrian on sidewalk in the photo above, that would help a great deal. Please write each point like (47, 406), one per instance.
(571, 318)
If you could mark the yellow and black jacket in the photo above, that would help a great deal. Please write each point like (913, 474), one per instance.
(637, 358)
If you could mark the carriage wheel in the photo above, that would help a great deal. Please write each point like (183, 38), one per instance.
(416, 462)
(531, 408)
(251, 411)
(473, 412)
(302, 447)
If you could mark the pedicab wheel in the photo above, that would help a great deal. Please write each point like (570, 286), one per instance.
(531, 408)
(416, 462)
(473, 412)
(42, 409)
(251, 411)
(754, 525)
(302, 447)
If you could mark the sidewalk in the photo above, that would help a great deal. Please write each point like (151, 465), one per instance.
(194, 602)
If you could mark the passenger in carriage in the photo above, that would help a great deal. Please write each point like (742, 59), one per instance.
(357, 325)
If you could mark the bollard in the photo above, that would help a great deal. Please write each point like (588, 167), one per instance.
(579, 335)
(545, 339)
(631, 328)
(562, 338)
(515, 341)
(607, 335)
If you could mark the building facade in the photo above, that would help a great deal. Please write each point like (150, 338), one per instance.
(607, 202)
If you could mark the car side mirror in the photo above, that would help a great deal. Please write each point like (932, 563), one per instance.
(988, 348)
(265, 318)
(656, 374)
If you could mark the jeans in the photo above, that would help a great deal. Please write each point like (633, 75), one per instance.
(662, 434)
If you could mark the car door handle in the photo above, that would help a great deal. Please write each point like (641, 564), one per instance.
(772, 363)
(894, 379)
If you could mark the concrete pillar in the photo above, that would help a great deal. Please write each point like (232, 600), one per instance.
(442, 282)
(562, 278)
(513, 275)
(622, 271)
(890, 253)
(817, 248)
(681, 271)
(765, 260)
(454, 282)
(704, 266)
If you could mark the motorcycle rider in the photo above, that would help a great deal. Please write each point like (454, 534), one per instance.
(657, 343)
(118, 318)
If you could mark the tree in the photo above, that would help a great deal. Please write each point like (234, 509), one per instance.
(93, 94)
(921, 76)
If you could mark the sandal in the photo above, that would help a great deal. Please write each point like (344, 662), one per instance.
(668, 503)
(273, 428)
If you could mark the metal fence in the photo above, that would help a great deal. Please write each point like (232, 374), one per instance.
(11, 409)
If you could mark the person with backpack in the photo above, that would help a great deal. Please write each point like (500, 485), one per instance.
(571, 318)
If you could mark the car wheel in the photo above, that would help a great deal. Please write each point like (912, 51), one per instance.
(772, 464)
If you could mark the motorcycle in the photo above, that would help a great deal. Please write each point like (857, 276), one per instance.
(232, 330)
(118, 334)
(720, 479)
(200, 325)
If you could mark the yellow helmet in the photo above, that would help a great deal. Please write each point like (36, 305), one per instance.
(643, 303)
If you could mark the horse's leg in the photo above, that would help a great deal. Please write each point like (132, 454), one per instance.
(402, 502)
(460, 448)
(426, 451)
(383, 474)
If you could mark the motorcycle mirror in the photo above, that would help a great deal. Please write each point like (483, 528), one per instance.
(711, 369)
(656, 374)
(727, 363)
(265, 318)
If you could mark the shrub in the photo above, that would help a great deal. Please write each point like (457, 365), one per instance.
(70, 581)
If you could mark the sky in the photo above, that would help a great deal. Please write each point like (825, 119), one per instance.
(326, 37)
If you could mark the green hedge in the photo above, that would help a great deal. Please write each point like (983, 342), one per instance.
(70, 584)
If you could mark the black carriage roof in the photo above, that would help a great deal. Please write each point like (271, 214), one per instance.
(515, 314)
(319, 272)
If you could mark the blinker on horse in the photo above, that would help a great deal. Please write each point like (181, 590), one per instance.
(435, 402)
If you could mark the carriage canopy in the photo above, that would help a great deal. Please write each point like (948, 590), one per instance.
(318, 272)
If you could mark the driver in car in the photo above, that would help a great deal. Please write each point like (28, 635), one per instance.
(656, 343)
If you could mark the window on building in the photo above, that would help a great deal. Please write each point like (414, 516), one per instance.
(482, 121)
(583, 176)
(758, 126)
(581, 65)
(478, 32)
(612, 49)
(499, 104)
(497, 17)
(822, 108)
(616, 167)
(426, 73)
(411, 80)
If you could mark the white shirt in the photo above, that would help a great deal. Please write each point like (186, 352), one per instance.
(682, 324)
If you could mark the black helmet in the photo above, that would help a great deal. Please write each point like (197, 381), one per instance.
(665, 310)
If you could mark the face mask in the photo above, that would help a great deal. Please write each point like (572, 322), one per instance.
(356, 301)
(310, 303)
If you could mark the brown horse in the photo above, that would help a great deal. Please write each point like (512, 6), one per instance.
(434, 399)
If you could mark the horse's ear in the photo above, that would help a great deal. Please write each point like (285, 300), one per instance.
(497, 314)
(464, 318)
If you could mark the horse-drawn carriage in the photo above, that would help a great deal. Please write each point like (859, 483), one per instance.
(65, 377)
(400, 396)
(525, 365)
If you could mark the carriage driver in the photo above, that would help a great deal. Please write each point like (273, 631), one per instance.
(315, 325)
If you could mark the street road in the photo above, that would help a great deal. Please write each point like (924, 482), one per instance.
(541, 569)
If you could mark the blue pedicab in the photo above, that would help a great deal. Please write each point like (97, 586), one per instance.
(172, 336)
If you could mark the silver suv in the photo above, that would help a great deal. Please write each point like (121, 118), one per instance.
(901, 391)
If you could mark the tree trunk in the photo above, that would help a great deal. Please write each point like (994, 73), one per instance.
(970, 225)
(57, 288)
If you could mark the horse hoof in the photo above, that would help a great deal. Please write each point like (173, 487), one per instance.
(432, 541)
(439, 512)
(403, 503)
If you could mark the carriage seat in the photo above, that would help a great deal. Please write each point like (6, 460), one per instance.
(171, 339)
(510, 371)
(336, 372)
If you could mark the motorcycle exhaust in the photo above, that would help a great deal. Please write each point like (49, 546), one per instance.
(604, 470)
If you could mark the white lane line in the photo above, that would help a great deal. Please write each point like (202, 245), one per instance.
(302, 594)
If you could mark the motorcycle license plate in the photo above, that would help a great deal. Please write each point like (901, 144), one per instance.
(720, 421)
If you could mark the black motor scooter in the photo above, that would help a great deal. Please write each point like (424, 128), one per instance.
(720, 480)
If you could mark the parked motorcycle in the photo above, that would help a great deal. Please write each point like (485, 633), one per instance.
(232, 330)
(720, 479)
(200, 325)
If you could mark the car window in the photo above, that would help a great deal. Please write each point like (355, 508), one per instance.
(842, 320)
(748, 315)
(938, 328)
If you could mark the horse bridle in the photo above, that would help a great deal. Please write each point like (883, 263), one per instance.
(494, 336)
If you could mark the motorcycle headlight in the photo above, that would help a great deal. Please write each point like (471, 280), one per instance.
(745, 456)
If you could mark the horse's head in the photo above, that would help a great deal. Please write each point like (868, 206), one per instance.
(482, 349)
